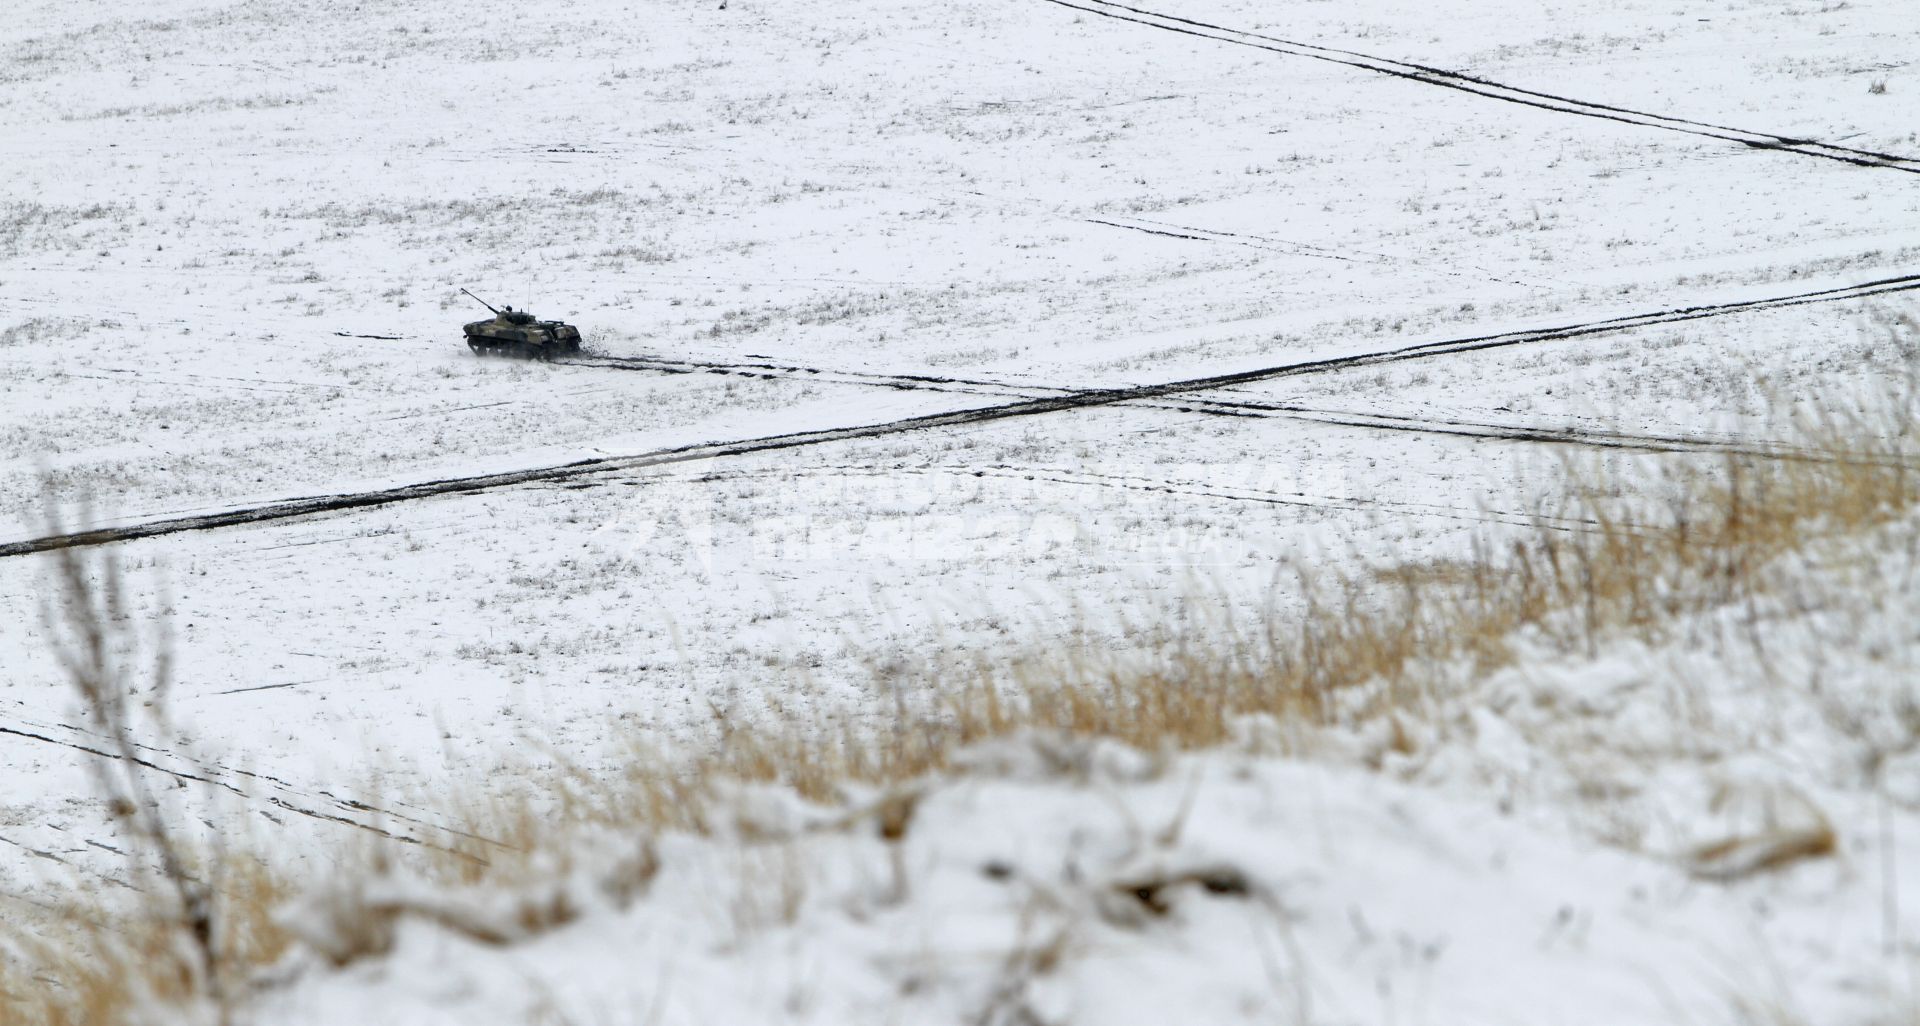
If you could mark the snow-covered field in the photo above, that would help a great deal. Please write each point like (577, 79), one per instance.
(232, 236)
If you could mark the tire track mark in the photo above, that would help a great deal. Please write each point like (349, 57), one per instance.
(214, 777)
(1258, 410)
(1073, 400)
(1635, 442)
(1606, 439)
(1266, 244)
(903, 382)
(54, 857)
(1490, 89)
(1143, 483)
(1598, 438)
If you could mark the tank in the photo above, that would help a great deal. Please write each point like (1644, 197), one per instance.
(517, 333)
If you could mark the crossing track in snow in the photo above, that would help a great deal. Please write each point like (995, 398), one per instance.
(1083, 399)
(1490, 430)
(1493, 90)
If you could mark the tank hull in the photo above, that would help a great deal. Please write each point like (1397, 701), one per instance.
(530, 340)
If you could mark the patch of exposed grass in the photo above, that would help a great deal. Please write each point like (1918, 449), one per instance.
(27, 226)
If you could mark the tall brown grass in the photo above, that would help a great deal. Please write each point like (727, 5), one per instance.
(1655, 543)
(98, 962)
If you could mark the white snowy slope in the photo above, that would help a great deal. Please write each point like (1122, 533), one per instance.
(232, 236)
(1567, 841)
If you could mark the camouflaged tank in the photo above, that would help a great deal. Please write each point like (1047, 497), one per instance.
(511, 332)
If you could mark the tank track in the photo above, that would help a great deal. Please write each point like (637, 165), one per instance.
(514, 350)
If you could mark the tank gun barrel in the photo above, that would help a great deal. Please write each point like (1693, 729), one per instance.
(482, 302)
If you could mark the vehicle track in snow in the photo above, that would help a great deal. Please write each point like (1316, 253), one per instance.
(751, 368)
(1286, 247)
(1592, 437)
(1491, 430)
(389, 823)
(1145, 483)
(1492, 90)
(1029, 407)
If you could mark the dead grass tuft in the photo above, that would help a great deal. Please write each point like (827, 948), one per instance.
(95, 962)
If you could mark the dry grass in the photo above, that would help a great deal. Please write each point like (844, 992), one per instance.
(201, 917)
(1652, 552)
(1644, 554)
(1648, 554)
(96, 962)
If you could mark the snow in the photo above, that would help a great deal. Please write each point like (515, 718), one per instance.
(206, 207)
(1575, 840)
